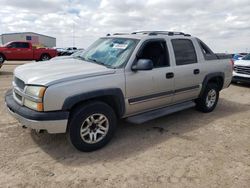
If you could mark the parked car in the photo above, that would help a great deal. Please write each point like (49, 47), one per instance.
(74, 55)
(60, 51)
(24, 51)
(238, 56)
(241, 71)
(136, 77)
(66, 51)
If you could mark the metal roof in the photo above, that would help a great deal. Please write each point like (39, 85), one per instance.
(26, 33)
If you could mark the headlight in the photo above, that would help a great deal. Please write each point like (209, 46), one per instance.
(34, 97)
(35, 91)
(33, 105)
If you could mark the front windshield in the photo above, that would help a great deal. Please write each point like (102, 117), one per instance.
(247, 57)
(110, 52)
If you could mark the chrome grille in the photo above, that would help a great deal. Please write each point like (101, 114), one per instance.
(19, 83)
(19, 97)
(18, 90)
(242, 69)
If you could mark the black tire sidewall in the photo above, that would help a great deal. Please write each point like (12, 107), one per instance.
(45, 55)
(78, 117)
(201, 102)
(1, 63)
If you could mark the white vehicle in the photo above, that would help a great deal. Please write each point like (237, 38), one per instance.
(241, 71)
(74, 55)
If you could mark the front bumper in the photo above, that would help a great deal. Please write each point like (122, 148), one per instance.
(241, 79)
(52, 122)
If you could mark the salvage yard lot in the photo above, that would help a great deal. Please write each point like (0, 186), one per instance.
(188, 148)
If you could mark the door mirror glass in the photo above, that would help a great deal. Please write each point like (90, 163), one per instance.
(143, 64)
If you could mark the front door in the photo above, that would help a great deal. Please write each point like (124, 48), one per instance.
(13, 52)
(150, 89)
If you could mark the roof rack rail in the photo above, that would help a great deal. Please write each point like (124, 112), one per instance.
(170, 33)
(121, 34)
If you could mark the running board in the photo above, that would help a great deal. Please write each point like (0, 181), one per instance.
(147, 116)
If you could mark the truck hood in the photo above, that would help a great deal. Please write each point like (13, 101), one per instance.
(2, 48)
(242, 62)
(52, 72)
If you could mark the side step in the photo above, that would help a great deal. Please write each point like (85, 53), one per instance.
(147, 116)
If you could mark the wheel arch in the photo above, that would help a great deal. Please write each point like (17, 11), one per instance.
(45, 53)
(217, 78)
(113, 97)
(4, 57)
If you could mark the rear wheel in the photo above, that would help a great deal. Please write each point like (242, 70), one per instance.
(92, 126)
(208, 101)
(45, 57)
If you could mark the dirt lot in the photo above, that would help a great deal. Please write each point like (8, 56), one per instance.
(186, 149)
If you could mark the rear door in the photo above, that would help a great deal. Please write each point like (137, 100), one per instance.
(25, 50)
(188, 71)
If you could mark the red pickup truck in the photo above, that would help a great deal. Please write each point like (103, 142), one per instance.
(24, 51)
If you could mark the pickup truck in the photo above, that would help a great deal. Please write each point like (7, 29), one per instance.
(24, 51)
(137, 77)
(241, 71)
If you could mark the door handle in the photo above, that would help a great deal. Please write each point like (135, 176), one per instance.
(196, 71)
(169, 75)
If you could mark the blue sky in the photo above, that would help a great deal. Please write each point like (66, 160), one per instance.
(223, 24)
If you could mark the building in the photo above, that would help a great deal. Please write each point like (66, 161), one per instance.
(35, 38)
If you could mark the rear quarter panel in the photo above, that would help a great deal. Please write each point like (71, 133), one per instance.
(214, 66)
(38, 53)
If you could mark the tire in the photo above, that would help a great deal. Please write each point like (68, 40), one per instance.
(208, 101)
(2, 59)
(45, 57)
(91, 126)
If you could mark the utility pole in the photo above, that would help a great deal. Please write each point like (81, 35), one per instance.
(73, 34)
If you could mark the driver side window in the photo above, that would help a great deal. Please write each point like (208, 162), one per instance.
(155, 51)
(13, 45)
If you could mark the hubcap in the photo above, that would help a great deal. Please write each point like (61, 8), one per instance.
(211, 98)
(1, 60)
(94, 128)
(45, 58)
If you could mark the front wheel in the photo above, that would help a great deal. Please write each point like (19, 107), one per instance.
(208, 101)
(1, 60)
(91, 126)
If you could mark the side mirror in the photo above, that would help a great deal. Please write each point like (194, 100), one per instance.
(9, 46)
(143, 64)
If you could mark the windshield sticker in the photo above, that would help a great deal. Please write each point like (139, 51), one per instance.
(120, 46)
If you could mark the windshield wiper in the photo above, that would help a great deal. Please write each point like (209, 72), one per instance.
(80, 57)
(100, 63)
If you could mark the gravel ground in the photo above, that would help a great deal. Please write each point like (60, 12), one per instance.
(186, 149)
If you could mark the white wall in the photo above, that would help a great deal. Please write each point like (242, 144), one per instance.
(44, 40)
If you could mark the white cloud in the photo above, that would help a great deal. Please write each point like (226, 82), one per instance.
(224, 25)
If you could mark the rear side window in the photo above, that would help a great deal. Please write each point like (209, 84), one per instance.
(23, 45)
(206, 51)
(184, 51)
